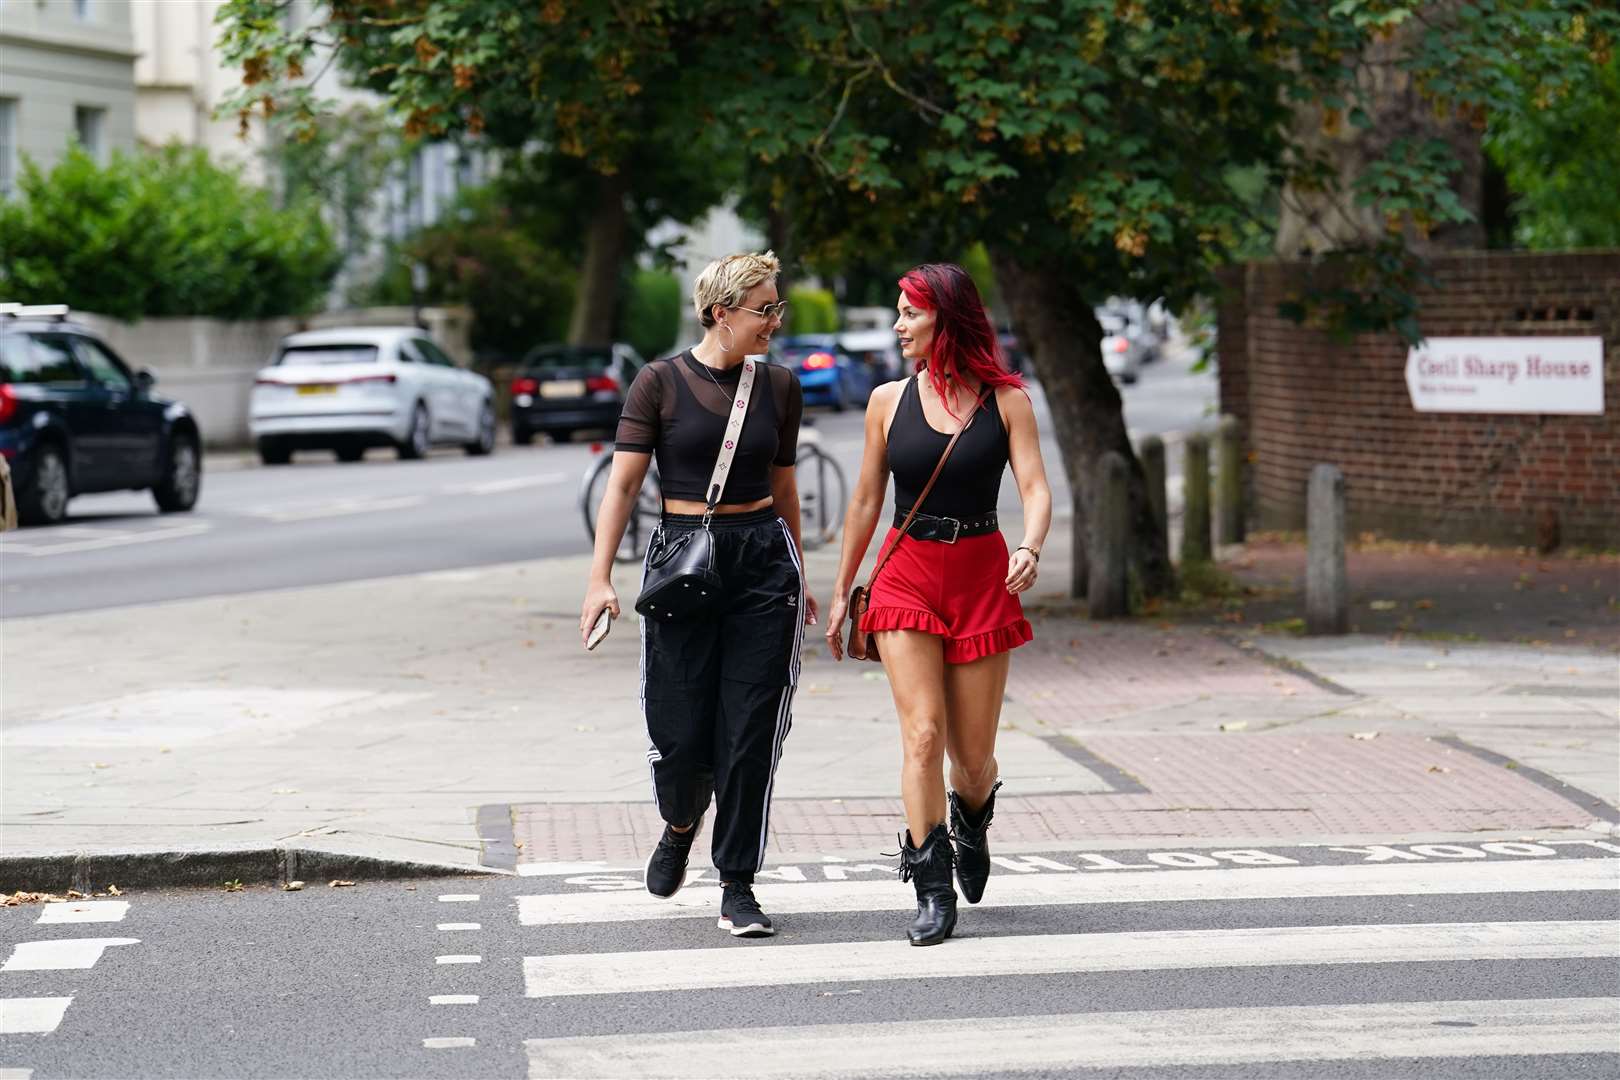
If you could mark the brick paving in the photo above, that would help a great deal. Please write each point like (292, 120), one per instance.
(1271, 784)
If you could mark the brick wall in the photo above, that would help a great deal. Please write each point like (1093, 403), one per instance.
(1493, 478)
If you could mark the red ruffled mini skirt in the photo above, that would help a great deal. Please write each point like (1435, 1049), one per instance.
(958, 591)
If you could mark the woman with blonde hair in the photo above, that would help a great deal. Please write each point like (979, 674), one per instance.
(717, 680)
(943, 607)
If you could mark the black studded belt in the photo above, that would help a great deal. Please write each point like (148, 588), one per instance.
(946, 530)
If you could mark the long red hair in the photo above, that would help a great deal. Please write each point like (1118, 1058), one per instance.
(964, 340)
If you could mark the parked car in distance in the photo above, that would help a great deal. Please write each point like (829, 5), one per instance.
(1122, 351)
(561, 388)
(828, 374)
(879, 350)
(348, 388)
(75, 419)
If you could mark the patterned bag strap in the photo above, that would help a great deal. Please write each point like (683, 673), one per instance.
(884, 557)
(728, 445)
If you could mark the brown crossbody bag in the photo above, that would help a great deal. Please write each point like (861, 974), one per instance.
(861, 645)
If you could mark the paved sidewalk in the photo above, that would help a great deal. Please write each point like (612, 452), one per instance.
(451, 718)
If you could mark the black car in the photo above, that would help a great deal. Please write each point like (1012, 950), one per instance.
(75, 419)
(561, 388)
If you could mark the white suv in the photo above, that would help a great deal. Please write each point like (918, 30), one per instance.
(348, 388)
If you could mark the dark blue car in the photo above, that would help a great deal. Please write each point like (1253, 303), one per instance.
(828, 374)
(75, 419)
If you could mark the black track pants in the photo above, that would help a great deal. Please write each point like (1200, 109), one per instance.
(717, 691)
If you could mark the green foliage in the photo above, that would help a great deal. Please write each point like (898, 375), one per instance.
(976, 261)
(651, 317)
(1562, 159)
(156, 234)
(812, 311)
(340, 162)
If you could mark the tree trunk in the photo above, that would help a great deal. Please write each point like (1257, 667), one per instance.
(592, 319)
(1064, 341)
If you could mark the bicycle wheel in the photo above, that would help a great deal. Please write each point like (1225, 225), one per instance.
(644, 516)
(821, 496)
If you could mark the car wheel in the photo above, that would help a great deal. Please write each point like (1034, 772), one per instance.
(485, 443)
(838, 402)
(274, 452)
(1128, 378)
(176, 492)
(561, 435)
(522, 436)
(416, 442)
(44, 501)
(350, 452)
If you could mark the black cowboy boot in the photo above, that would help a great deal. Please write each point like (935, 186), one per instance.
(968, 829)
(929, 869)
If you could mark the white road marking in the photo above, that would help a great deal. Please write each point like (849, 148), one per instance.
(32, 1016)
(1250, 883)
(63, 955)
(16, 1074)
(496, 487)
(453, 999)
(82, 911)
(106, 539)
(842, 963)
(459, 898)
(448, 1042)
(460, 926)
(562, 869)
(458, 959)
(336, 508)
(1113, 1040)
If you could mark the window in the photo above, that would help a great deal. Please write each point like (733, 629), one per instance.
(433, 353)
(103, 366)
(327, 354)
(28, 359)
(8, 146)
(81, 10)
(87, 123)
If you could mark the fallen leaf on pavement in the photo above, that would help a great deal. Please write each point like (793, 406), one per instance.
(1235, 725)
(1438, 768)
(1423, 605)
(293, 886)
(338, 883)
(113, 890)
(1364, 736)
(1383, 605)
(17, 899)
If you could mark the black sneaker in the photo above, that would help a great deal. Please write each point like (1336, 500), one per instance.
(740, 914)
(666, 867)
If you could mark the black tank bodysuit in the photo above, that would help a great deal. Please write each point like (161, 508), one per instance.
(971, 481)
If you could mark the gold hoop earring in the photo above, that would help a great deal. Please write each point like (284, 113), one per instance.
(730, 346)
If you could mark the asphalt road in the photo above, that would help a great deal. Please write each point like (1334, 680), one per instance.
(318, 521)
(1326, 967)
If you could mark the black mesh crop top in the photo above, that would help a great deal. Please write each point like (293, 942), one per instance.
(676, 410)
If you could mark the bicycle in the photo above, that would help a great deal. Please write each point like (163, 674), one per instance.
(822, 494)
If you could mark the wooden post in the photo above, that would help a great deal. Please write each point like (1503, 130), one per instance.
(1107, 593)
(1079, 546)
(1229, 481)
(1151, 453)
(1327, 593)
(1195, 545)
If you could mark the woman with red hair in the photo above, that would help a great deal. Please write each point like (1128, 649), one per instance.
(943, 609)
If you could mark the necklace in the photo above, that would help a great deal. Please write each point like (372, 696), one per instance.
(717, 386)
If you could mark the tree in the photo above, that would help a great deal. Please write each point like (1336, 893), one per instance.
(1094, 147)
(160, 233)
(603, 92)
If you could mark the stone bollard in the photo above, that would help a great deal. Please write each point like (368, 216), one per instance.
(1151, 453)
(1229, 481)
(1079, 544)
(1195, 546)
(1327, 593)
(1111, 536)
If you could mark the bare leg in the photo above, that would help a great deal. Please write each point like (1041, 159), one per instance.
(973, 695)
(915, 663)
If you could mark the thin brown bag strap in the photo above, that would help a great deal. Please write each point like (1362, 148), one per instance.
(923, 495)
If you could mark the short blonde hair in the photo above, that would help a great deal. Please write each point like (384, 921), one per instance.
(727, 281)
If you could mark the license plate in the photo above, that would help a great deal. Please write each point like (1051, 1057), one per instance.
(563, 388)
(318, 388)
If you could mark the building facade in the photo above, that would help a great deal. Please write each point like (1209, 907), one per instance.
(67, 71)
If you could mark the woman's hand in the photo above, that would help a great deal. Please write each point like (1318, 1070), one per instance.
(598, 596)
(1021, 571)
(812, 610)
(835, 625)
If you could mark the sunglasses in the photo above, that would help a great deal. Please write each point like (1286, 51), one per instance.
(777, 310)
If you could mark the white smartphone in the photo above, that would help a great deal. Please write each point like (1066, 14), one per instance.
(599, 629)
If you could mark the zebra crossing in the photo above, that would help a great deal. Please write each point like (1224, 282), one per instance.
(42, 1015)
(1402, 962)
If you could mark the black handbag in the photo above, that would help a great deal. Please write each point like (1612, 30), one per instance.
(681, 581)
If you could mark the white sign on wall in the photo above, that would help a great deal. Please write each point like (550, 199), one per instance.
(1507, 375)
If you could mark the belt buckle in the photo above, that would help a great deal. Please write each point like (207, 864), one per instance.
(956, 530)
